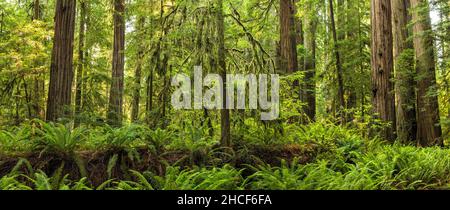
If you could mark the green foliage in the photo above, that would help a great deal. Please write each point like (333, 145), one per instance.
(225, 178)
(168, 149)
(59, 138)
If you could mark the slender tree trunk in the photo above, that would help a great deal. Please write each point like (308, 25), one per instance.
(310, 66)
(382, 66)
(300, 38)
(61, 69)
(428, 124)
(352, 87)
(288, 43)
(361, 64)
(337, 54)
(199, 62)
(165, 69)
(36, 10)
(39, 83)
(138, 73)
(85, 99)
(150, 78)
(81, 63)
(224, 113)
(115, 109)
(404, 73)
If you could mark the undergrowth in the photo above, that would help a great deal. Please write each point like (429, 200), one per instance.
(343, 159)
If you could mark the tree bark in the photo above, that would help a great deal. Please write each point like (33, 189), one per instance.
(149, 97)
(81, 63)
(428, 124)
(61, 69)
(354, 47)
(288, 43)
(382, 66)
(36, 10)
(38, 90)
(138, 73)
(404, 73)
(115, 110)
(224, 112)
(300, 38)
(309, 87)
(339, 70)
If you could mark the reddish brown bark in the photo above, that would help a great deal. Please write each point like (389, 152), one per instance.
(61, 69)
(288, 43)
(429, 131)
(404, 76)
(382, 67)
(115, 110)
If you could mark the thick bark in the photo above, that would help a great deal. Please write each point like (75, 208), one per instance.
(81, 63)
(309, 87)
(404, 76)
(339, 70)
(61, 69)
(382, 66)
(115, 109)
(138, 73)
(225, 113)
(288, 43)
(428, 128)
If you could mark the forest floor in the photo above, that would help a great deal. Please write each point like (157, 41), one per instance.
(316, 156)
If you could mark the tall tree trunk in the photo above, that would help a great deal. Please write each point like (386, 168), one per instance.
(149, 95)
(224, 112)
(288, 43)
(115, 109)
(404, 73)
(81, 63)
(382, 66)
(310, 65)
(339, 70)
(351, 103)
(361, 46)
(61, 69)
(428, 124)
(138, 73)
(300, 38)
(36, 10)
(39, 83)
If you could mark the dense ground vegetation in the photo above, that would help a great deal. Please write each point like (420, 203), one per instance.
(85, 95)
(317, 156)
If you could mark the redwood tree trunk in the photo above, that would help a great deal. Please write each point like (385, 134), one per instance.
(115, 109)
(288, 43)
(404, 72)
(428, 128)
(382, 66)
(61, 69)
